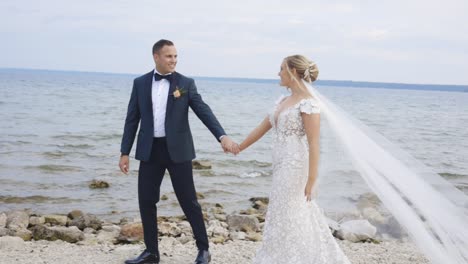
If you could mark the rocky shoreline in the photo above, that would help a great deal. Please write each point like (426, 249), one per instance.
(233, 237)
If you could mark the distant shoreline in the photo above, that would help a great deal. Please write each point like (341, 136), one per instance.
(341, 83)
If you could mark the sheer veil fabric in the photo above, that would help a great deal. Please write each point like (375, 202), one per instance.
(433, 211)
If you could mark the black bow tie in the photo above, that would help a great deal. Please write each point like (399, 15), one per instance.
(158, 77)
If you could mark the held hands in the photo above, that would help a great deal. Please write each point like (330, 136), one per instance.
(229, 146)
(124, 164)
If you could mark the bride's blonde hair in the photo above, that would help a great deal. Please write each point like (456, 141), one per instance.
(306, 69)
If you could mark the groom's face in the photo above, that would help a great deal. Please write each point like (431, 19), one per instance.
(166, 59)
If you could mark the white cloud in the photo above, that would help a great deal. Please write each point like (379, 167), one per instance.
(253, 36)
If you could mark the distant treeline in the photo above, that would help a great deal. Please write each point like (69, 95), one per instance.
(430, 87)
(434, 87)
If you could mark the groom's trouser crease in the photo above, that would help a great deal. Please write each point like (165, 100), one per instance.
(150, 177)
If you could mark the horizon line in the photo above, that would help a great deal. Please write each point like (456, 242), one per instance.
(243, 78)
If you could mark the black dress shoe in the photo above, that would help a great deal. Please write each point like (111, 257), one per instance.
(203, 257)
(144, 258)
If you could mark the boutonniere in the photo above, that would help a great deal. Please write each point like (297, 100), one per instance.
(178, 92)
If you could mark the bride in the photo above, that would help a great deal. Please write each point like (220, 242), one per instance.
(295, 230)
(428, 207)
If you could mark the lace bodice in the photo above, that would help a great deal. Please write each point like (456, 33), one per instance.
(289, 121)
(289, 136)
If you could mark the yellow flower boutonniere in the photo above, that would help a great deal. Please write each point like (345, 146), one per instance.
(178, 92)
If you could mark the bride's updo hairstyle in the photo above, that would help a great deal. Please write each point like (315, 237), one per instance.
(306, 69)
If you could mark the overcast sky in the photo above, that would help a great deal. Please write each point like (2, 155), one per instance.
(386, 41)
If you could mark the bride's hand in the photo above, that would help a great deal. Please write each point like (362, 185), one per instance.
(308, 190)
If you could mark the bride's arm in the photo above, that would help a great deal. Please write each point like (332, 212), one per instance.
(256, 134)
(312, 129)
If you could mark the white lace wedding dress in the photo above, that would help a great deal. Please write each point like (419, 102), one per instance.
(295, 231)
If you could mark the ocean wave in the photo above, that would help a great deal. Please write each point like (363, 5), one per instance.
(244, 163)
(55, 154)
(54, 168)
(205, 173)
(462, 187)
(15, 143)
(254, 174)
(34, 199)
(108, 136)
(452, 175)
(69, 137)
(217, 191)
(76, 146)
(88, 137)
(62, 154)
(22, 135)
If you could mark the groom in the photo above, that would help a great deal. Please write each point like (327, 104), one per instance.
(159, 102)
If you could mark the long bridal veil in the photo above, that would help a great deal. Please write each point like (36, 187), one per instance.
(433, 211)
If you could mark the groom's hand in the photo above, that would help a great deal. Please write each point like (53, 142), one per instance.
(229, 146)
(124, 163)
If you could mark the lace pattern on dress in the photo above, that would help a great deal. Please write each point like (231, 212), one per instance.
(295, 231)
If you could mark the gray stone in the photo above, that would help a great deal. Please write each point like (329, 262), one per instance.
(237, 235)
(86, 220)
(183, 239)
(36, 220)
(200, 196)
(108, 234)
(168, 242)
(75, 214)
(201, 165)
(11, 243)
(169, 229)
(333, 225)
(89, 240)
(126, 220)
(260, 206)
(218, 239)
(17, 220)
(243, 223)
(254, 237)
(217, 231)
(264, 200)
(111, 228)
(216, 210)
(98, 184)
(4, 231)
(356, 231)
(89, 230)
(22, 233)
(131, 232)
(68, 234)
(220, 217)
(59, 220)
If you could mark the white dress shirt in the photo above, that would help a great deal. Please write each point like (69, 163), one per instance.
(159, 95)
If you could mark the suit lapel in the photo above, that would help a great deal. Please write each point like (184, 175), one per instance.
(149, 91)
(172, 88)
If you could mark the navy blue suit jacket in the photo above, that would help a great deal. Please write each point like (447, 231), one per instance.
(177, 128)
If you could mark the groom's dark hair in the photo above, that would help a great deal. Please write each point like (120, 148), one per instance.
(160, 44)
